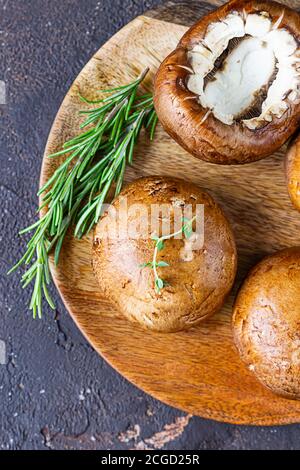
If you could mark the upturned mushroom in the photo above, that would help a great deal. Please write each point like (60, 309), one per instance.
(229, 93)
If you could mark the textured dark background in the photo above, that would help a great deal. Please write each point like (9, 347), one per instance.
(55, 391)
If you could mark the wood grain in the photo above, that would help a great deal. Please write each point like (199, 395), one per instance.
(198, 370)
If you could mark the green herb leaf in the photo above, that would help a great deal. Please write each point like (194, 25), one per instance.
(146, 265)
(162, 264)
(187, 231)
(159, 284)
(160, 244)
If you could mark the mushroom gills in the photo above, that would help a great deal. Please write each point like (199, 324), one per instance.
(245, 70)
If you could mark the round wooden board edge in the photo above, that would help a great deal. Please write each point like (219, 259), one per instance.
(266, 421)
(217, 416)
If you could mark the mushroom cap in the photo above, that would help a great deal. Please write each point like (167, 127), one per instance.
(199, 279)
(193, 125)
(266, 322)
(292, 170)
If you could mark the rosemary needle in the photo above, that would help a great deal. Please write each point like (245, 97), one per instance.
(95, 161)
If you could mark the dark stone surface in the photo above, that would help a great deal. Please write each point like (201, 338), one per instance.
(55, 391)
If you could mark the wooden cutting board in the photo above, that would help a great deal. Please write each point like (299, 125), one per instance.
(199, 370)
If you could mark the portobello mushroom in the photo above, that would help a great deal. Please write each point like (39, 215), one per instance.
(292, 169)
(266, 322)
(196, 272)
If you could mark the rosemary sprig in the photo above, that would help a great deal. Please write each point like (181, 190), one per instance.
(159, 244)
(95, 161)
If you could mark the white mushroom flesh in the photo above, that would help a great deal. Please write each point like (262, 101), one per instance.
(264, 63)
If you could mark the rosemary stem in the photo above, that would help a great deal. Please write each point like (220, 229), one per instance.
(73, 196)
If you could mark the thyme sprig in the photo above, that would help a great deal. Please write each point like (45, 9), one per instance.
(159, 244)
(74, 195)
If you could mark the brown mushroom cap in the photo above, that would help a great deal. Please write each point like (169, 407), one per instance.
(292, 168)
(266, 322)
(198, 130)
(197, 284)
